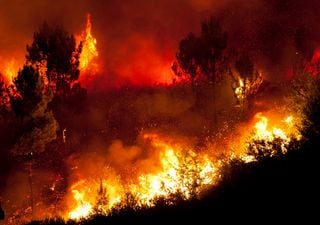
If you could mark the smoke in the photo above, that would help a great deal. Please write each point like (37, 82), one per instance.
(137, 41)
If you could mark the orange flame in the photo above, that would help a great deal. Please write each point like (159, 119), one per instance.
(10, 71)
(89, 53)
(181, 170)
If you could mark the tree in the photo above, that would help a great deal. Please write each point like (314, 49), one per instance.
(4, 97)
(188, 58)
(214, 43)
(58, 49)
(37, 124)
(203, 57)
(246, 81)
(29, 88)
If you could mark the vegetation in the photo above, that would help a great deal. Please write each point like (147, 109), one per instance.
(39, 101)
(55, 48)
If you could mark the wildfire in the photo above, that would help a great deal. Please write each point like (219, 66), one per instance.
(243, 87)
(89, 50)
(271, 140)
(83, 208)
(181, 170)
(10, 70)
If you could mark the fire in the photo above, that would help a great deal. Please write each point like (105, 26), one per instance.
(83, 209)
(10, 71)
(239, 91)
(262, 131)
(271, 140)
(89, 52)
(184, 172)
(244, 87)
(180, 170)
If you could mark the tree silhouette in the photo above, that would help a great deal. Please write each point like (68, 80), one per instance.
(58, 49)
(214, 41)
(188, 58)
(247, 80)
(203, 57)
(245, 67)
(37, 124)
(29, 86)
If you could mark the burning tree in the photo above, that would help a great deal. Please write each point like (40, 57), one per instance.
(246, 81)
(102, 200)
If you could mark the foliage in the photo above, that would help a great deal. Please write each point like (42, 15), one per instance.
(5, 106)
(29, 87)
(37, 125)
(312, 112)
(246, 80)
(58, 49)
(261, 149)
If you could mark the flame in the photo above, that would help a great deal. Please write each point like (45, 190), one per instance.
(89, 53)
(83, 208)
(239, 90)
(243, 87)
(10, 71)
(180, 170)
(267, 136)
(263, 132)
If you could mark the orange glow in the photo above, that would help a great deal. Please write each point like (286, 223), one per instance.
(179, 170)
(88, 64)
(83, 208)
(266, 131)
(142, 63)
(10, 71)
(243, 87)
(182, 171)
